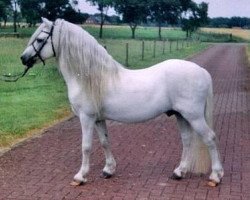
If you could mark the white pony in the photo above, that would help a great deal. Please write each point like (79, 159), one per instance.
(99, 88)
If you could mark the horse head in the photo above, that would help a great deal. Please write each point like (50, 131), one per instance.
(41, 45)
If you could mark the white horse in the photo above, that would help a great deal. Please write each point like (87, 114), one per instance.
(100, 88)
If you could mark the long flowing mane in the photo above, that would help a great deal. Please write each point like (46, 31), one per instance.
(87, 61)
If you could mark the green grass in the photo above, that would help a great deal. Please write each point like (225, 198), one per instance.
(33, 101)
(24, 32)
(147, 33)
(40, 98)
(116, 32)
(117, 48)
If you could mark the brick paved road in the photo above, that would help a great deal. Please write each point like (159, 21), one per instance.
(146, 153)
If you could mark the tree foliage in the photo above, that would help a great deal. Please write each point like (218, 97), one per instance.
(103, 6)
(133, 12)
(195, 17)
(165, 12)
(223, 22)
(53, 9)
(161, 12)
(5, 7)
(33, 10)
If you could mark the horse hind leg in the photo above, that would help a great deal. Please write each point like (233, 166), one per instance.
(110, 165)
(185, 131)
(207, 136)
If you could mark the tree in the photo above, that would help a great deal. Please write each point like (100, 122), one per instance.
(223, 22)
(53, 9)
(75, 17)
(14, 4)
(133, 12)
(167, 11)
(103, 6)
(31, 10)
(196, 16)
(114, 19)
(219, 22)
(5, 7)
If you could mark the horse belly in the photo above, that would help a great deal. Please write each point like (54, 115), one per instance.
(136, 108)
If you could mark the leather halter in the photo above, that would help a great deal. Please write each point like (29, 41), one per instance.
(38, 51)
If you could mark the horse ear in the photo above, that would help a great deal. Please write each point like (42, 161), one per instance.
(46, 21)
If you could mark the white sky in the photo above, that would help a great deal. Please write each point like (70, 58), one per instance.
(227, 8)
(217, 8)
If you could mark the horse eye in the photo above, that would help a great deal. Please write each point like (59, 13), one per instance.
(39, 40)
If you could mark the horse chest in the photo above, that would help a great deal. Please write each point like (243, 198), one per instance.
(78, 99)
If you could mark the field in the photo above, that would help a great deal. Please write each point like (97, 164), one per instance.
(241, 33)
(115, 32)
(146, 33)
(40, 98)
(151, 33)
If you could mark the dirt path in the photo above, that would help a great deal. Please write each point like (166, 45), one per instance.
(146, 153)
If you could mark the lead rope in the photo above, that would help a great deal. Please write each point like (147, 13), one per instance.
(14, 78)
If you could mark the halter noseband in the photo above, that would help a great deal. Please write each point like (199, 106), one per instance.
(38, 51)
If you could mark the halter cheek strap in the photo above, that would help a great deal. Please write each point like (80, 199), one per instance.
(38, 53)
(50, 34)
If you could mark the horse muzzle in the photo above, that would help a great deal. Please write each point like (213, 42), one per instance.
(29, 62)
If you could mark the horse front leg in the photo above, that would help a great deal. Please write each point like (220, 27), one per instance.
(110, 165)
(87, 125)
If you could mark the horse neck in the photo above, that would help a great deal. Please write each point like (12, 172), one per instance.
(85, 63)
(84, 48)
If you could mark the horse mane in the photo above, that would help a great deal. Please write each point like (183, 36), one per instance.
(87, 61)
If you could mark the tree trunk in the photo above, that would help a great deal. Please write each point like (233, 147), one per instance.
(15, 16)
(133, 28)
(102, 22)
(159, 31)
(101, 30)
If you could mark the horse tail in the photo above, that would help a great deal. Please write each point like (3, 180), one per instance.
(200, 160)
(209, 107)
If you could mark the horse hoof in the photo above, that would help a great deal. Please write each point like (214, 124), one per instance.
(212, 183)
(175, 177)
(106, 175)
(76, 183)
